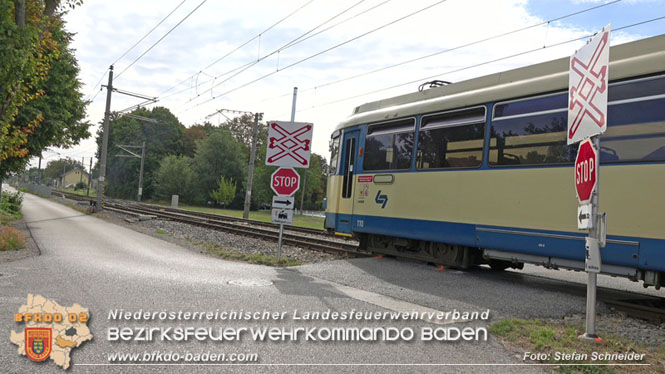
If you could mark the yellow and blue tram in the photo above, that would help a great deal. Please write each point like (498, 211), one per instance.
(479, 171)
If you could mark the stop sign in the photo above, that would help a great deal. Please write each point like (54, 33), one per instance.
(285, 181)
(586, 171)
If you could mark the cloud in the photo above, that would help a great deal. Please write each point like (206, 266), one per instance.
(106, 29)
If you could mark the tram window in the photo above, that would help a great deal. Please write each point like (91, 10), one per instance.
(531, 140)
(636, 89)
(452, 140)
(334, 155)
(389, 146)
(539, 104)
(635, 127)
(635, 132)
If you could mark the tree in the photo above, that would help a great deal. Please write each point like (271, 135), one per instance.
(40, 105)
(162, 139)
(313, 185)
(241, 128)
(189, 138)
(60, 109)
(218, 155)
(225, 192)
(25, 56)
(175, 176)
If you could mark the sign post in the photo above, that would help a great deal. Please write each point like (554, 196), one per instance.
(289, 146)
(587, 119)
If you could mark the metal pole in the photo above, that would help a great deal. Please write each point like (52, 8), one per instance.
(250, 174)
(39, 168)
(594, 233)
(141, 172)
(89, 177)
(293, 105)
(304, 187)
(281, 225)
(105, 143)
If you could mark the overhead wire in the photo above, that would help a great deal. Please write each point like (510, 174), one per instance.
(134, 46)
(479, 41)
(240, 46)
(239, 70)
(321, 52)
(160, 39)
(479, 64)
(295, 41)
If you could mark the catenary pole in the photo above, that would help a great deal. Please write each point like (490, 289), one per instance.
(250, 174)
(105, 143)
(141, 172)
(89, 177)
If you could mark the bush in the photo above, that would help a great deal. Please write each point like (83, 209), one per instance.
(11, 202)
(11, 239)
(80, 186)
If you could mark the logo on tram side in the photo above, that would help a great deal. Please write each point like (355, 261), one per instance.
(381, 199)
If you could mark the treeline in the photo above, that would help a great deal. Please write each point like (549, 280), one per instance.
(203, 164)
(40, 101)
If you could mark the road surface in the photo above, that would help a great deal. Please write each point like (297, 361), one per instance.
(107, 267)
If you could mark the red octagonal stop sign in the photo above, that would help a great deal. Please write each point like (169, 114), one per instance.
(586, 171)
(285, 181)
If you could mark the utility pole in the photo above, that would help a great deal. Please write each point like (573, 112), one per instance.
(304, 185)
(89, 177)
(132, 154)
(141, 172)
(64, 170)
(252, 159)
(39, 170)
(82, 167)
(105, 143)
(252, 154)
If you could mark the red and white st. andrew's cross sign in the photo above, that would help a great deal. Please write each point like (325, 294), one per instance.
(289, 144)
(587, 88)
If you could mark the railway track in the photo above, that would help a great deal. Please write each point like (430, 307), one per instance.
(293, 235)
(244, 228)
(648, 308)
(218, 217)
(72, 196)
(304, 230)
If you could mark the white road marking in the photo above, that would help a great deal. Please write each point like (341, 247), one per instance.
(393, 304)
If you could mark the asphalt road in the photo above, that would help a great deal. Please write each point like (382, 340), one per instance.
(104, 267)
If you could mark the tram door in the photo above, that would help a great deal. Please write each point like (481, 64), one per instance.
(349, 159)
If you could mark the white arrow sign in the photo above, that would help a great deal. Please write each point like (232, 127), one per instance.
(584, 221)
(283, 202)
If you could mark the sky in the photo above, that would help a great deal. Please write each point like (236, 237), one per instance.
(249, 55)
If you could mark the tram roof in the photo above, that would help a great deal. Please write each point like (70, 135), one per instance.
(642, 57)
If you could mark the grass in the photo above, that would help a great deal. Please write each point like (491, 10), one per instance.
(11, 239)
(264, 216)
(160, 232)
(538, 336)
(258, 258)
(82, 192)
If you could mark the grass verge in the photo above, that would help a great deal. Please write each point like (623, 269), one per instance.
(11, 239)
(258, 258)
(557, 343)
